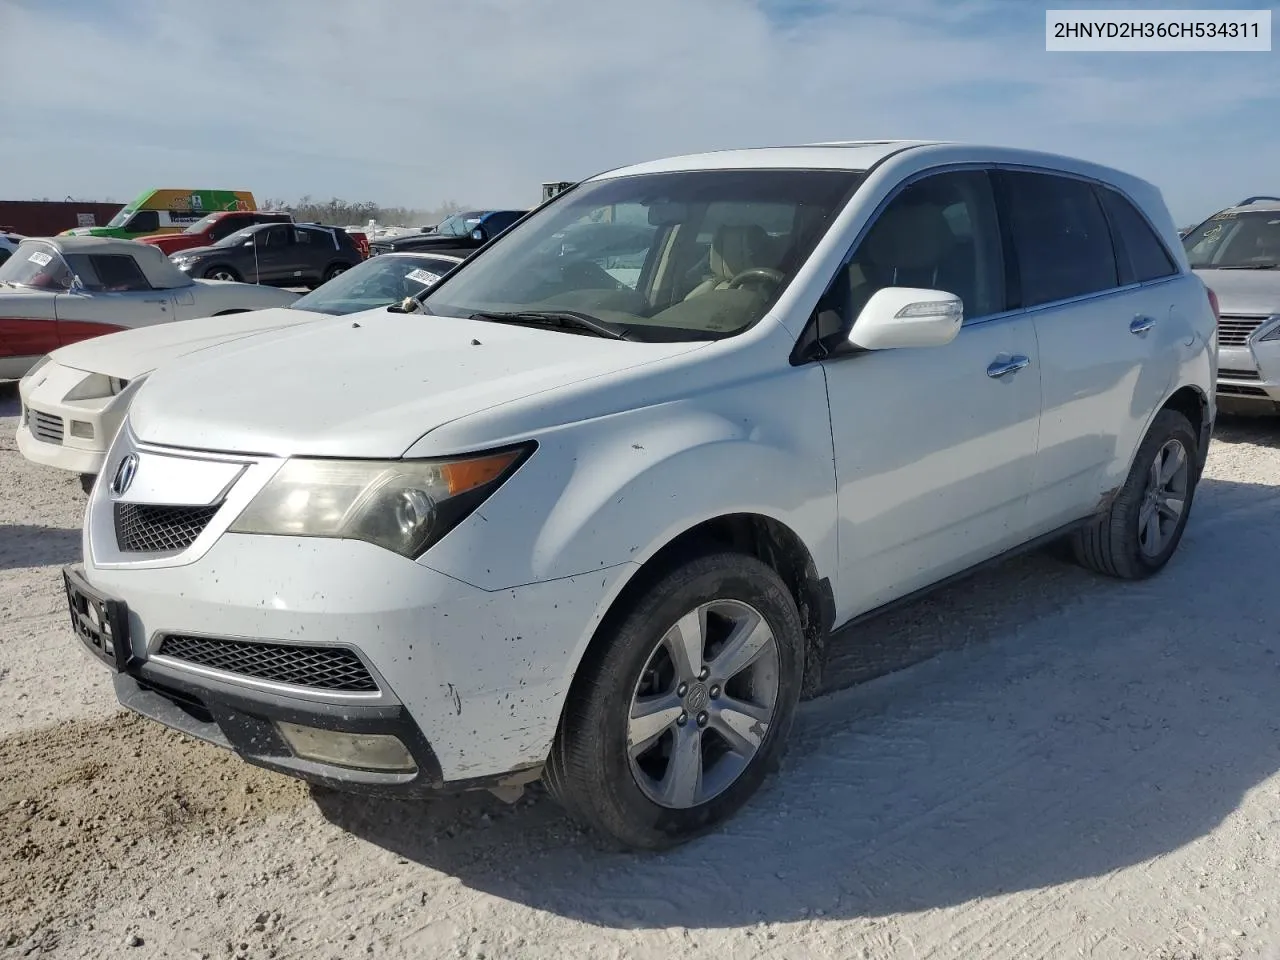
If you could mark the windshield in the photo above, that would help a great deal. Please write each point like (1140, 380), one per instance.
(695, 255)
(459, 225)
(235, 239)
(37, 264)
(377, 282)
(121, 218)
(1235, 240)
(200, 226)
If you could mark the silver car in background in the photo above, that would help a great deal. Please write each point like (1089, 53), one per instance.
(1236, 252)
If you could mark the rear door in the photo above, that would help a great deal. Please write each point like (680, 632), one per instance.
(1104, 308)
(276, 255)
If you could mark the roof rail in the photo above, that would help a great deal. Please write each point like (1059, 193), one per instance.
(1249, 200)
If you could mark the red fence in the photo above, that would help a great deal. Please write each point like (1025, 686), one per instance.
(43, 218)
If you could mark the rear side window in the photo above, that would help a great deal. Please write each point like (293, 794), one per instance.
(1139, 253)
(1061, 237)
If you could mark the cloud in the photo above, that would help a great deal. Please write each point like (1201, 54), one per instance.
(418, 101)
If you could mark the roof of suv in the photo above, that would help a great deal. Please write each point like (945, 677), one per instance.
(839, 155)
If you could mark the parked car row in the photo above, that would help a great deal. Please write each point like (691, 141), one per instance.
(458, 235)
(589, 505)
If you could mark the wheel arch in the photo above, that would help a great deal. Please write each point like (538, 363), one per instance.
(765, 538)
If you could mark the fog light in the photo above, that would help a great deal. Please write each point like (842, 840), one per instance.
(365, 751)
(82, 430)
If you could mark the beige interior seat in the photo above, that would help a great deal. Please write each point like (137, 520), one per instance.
(734, 249)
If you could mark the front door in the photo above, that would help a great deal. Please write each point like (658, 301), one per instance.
(275, 256)
(934, 446)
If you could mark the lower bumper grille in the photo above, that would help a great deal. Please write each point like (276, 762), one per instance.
(1224, 374)
(1239, 390)
(45, 426)
(322, 668)
(144, 528)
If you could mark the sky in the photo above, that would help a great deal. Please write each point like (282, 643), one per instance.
(419, 102)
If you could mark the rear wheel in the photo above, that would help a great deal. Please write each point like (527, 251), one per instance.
(683, 709)
(333, 270)
(1144, 524)
(221, 273)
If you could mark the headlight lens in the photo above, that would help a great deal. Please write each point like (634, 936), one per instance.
(38, 364)
(96, 386)
(402, 505)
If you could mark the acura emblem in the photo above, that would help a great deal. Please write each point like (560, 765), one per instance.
(124, 474)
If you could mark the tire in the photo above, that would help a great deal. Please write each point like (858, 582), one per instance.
(86, 481)
(222, 273)
(632, 798)
(333, 270)
(1117, 543)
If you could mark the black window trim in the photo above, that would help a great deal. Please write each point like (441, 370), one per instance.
(1117, 237)
(801, 352)
(1096, 184)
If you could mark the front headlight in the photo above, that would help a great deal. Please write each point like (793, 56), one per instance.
(36, 366)
(1273, 333)
(96, 386)
(403, 505)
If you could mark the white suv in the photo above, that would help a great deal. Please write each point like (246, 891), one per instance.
(592, 517)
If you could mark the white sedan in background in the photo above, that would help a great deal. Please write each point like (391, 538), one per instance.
(59, 290)
(75, 398)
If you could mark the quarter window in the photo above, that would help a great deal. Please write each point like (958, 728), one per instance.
(939, 233)
(1139, 253)
(1060, 233)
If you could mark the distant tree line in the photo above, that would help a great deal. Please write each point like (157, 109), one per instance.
(343, 212)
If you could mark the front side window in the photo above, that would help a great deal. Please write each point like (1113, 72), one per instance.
(38, 265)
(274, 238)
(692, 255)
(144, 221)
(1236, 240)
(239, 237)
(1061, 237)
(109, 273)
(939, 233)
(459, 225)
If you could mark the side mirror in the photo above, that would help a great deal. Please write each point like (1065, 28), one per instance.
(478, 235)
(907, 317)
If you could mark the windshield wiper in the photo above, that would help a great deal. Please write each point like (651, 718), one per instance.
(572, 319)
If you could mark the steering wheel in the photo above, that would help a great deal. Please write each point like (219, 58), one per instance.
(755, 275)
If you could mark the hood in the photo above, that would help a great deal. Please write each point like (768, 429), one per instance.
(365, 385)
(170, 242)
(1244, 292)
(204, 250)
(414, 241)
(131, 353)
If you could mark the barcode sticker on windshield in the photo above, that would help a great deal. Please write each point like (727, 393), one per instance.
(41, 258)
(422, 276)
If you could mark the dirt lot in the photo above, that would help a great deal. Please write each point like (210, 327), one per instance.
(1080, 769)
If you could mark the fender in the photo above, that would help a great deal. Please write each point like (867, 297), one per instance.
(617, 489)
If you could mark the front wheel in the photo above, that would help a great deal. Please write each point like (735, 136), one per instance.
(683, 707)
(1142, 528)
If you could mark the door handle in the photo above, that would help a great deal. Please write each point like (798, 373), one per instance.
(1002, 368)
(1140, 325)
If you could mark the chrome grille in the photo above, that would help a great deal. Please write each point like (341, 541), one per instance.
(322, 668)
(1235, 331)
(144, 528)
(45, 426)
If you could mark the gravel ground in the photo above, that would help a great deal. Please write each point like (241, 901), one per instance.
(1071, 768)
